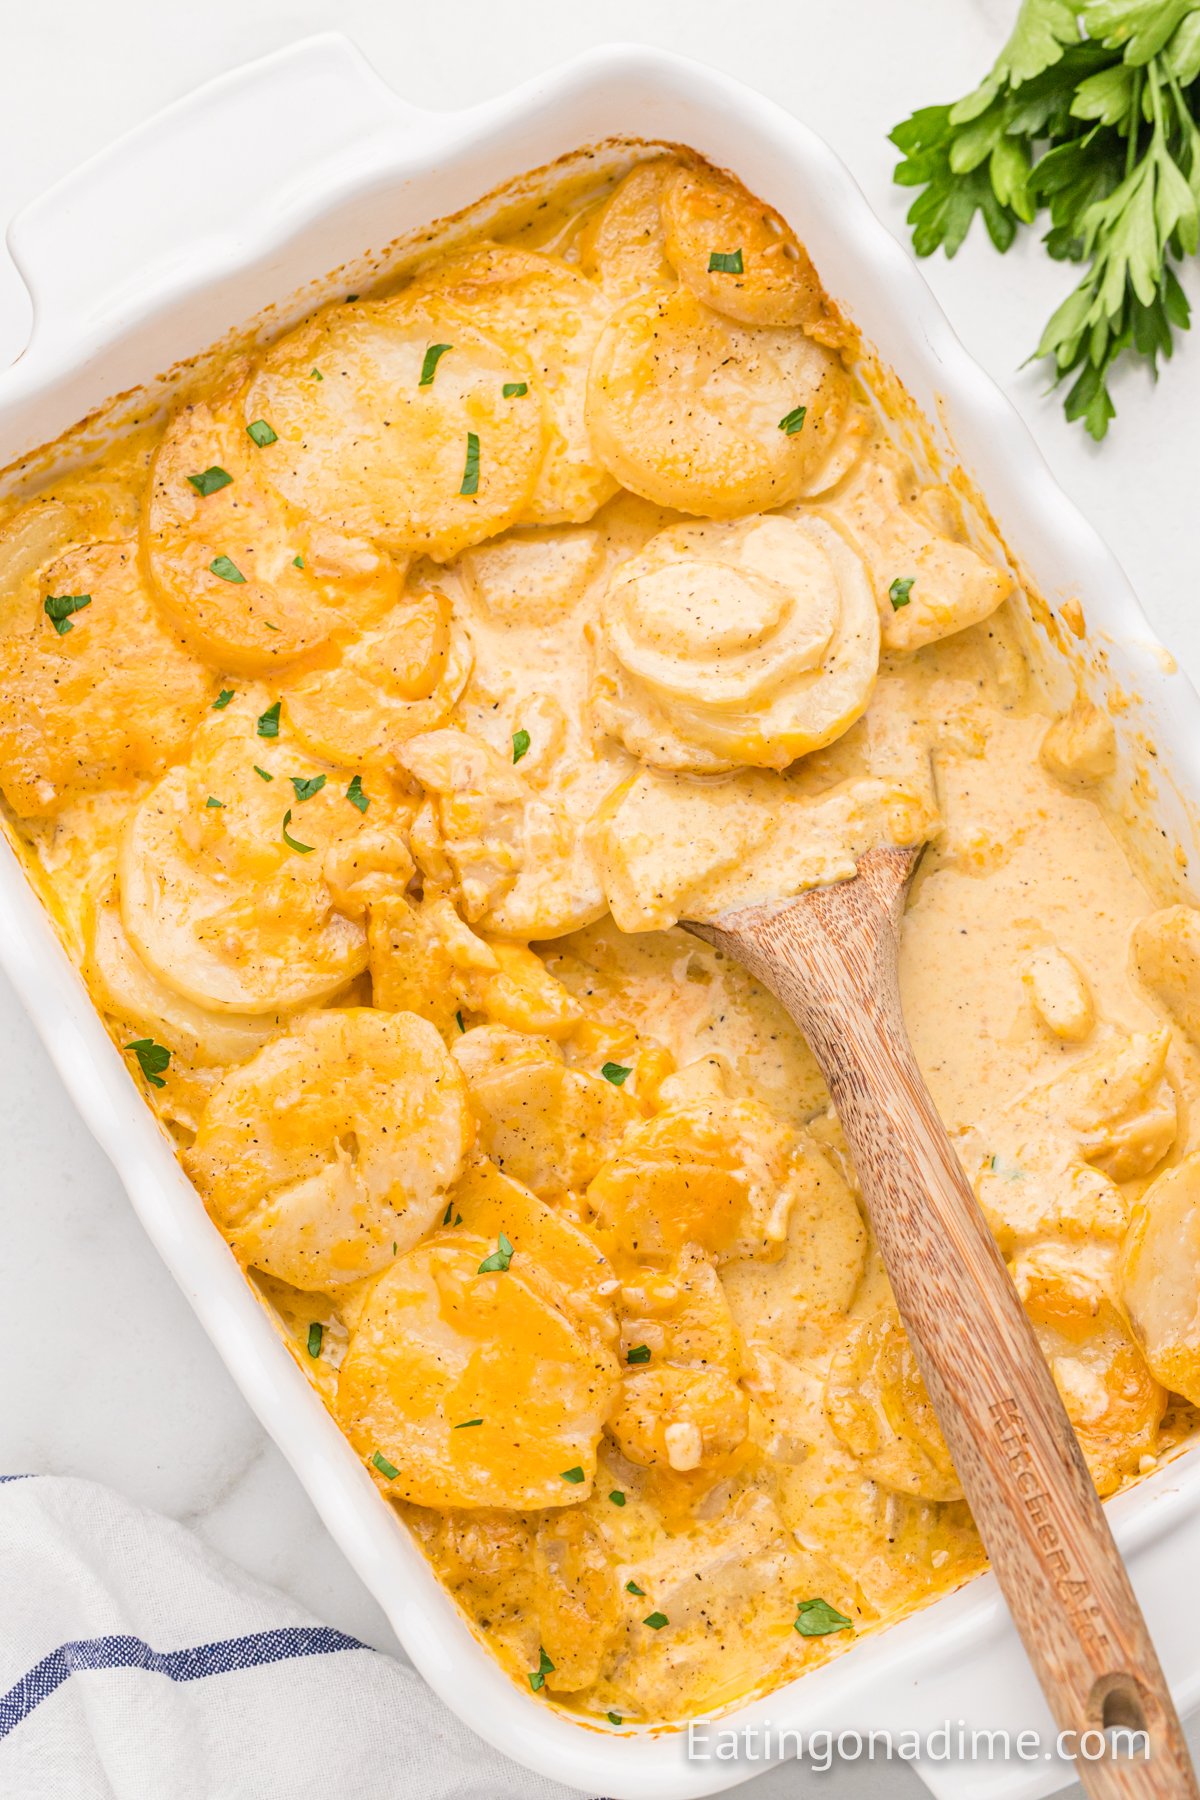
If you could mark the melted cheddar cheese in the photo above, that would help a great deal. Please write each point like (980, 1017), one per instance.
(368, 724)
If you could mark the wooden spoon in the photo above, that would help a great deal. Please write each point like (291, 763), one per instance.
(831, 958)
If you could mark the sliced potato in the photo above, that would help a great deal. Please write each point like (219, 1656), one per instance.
(520, 992)
(107, 697)
(688, 408)
(217, 901)
(362, 444)
(622, 246)
(680, 1404)
(1037, 1183)
(543, 1124)
(1080, 748)
(928, 583)
(722, 1175)
(551, 315)
(1119, 1103)
(522, 866)
(823, 1259)
(728, 645)
(1111, 1397)
(1166, 955)
(441, 1343)
(421, 958)
(1059, 992)
(388, 684)
(876, 1402)
(1160, 1277)
(578, 1610)
(549, 1252)
(130, 990)
(710, 218)
(531, 577)
(333, 1146)
(251, 581)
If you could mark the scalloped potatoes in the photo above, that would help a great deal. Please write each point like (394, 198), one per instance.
(370, 723)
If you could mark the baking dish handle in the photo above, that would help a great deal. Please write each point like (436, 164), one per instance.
(222, 163)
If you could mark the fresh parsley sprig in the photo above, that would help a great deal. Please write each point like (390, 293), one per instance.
(1090, 116)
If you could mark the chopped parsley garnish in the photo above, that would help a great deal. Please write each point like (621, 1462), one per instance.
(617, 1073)
(211, 481)
(350, 299)
(816, 1618)
(470, 480)
(262, 434)
(297, 562)
(467, 1424)
(153, 1059)
(307, 785)
(433, 357)
(537, 1677)
(447, 1213)
(355, 795)
(264, 773)
(222, 700)
(512, 390)
(316, 1333)
(617, 1497)
(575, 1475)
(317, 375)
(225, 570)
(458, 1020)
(792, 422)
(639, 1354)
(899, 591)
(655, 1620)
(384, 1466)
(59, 607)
(614, 1718)
(521, 742)
(725, 262)
(291, 842)
(268, 722)
(498, 1261)
(213, 801)
(631, 1587)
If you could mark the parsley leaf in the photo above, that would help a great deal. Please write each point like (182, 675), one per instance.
(537, 1678)
(211, 481)
(614, 1718)
(268, 722)
(466, 1424)
(265, 774)
(617, 1073)
(512, 390)
(899, 591)
(291, 842)
(262, 434)
(816, 1618)
(575, 1475)
(433, 357)
(222, 700)
(384, 1466)
(225, 570)
(521, 742)
(213, 801)
(355, 795)
(656, 1620)
(307, 786)
(470, 480)
(617, 1497)
(725, 262)
(59, 607)
(631, 1587)
(153, 1059)
(316, 1333)
(794, 421)
(458, 1019)
(639, 1354)
(499, 1260)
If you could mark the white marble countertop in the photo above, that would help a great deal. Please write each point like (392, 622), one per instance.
(110, 1376)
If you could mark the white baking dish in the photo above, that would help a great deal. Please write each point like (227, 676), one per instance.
(308, 161)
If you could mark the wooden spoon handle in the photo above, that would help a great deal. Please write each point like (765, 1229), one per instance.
(831, 959)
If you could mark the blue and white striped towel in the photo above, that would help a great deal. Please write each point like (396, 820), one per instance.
(137, 1665)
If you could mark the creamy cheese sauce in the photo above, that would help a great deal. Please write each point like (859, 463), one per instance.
(368, 727)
